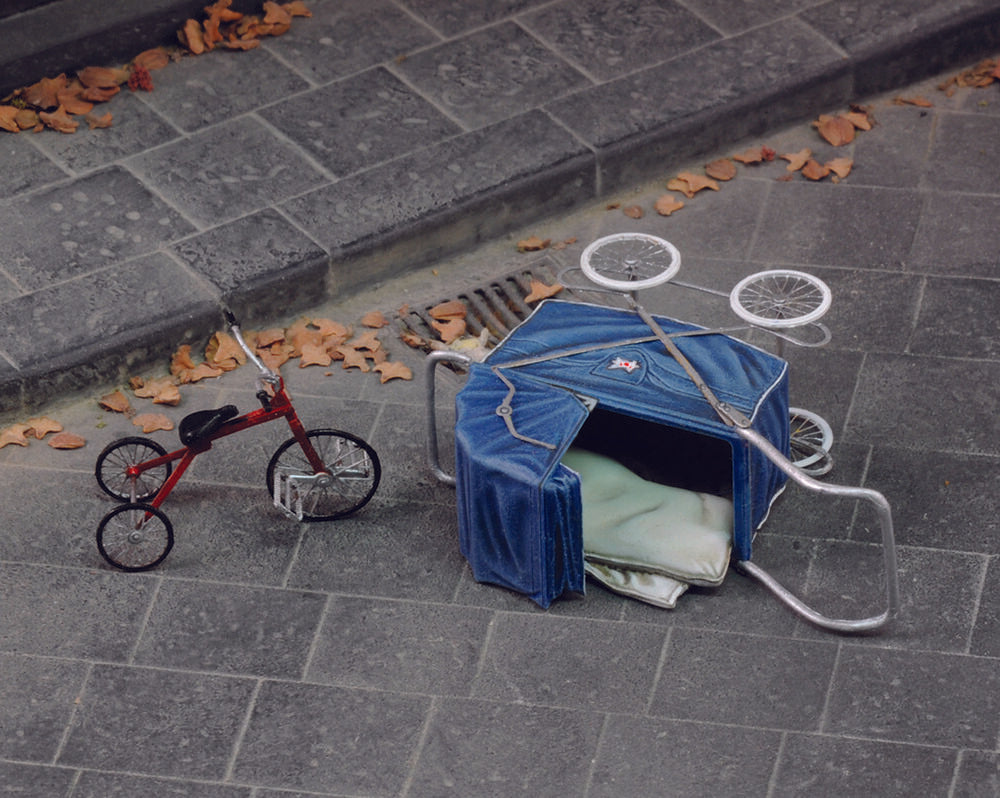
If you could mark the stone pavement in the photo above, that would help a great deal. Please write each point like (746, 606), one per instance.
(269, 659)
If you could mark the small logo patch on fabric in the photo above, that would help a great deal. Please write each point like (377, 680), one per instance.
(626, 365)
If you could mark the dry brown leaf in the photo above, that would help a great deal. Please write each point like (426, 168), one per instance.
(42, 426)
(222, 347)
(352, 358)
(94, 77)
(275, 14)
(690, 184)
(200, 372)
(449, 330)
(411, 339)
(45, 93)
(191, 37)
(837, 130)
(374, 319)
(102, 121)
(151, 422)
(633, 211)
(297, 9)
(98, 95)
(453, 309)
(67, 440)
(814, 170)
(162, 390)
(116, 402)
(70, 99)
(59, 120)
(275, 356)
(859, 119)
(15, 434)
(27, 119)
(920, 102)
(540, 290)
(796, 160)
(155, 58)
(274, 335)
(221, 10)
(315, 355)
(667, 204)
(393, 371)
(533, 244)
(332, 329)
(240, 44)
(8, 118)
(368, 341)
(721, 169)
(840, 166)
(181, 360)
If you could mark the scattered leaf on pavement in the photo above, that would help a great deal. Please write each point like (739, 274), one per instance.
(116, 402)
(721, 169)
(59, 120)
(667, 204)
(920, 102)
(837, 130)
(796, 160)
(633, 211)
(449, 330)
(42, 426)
(690, 184)
(393, 371)
(374, 319)
(453, 309)
(15, 434)
(151, 422)
(814, 170)
(532, 244)
(540, 290)
(67, 440)
(840, 166)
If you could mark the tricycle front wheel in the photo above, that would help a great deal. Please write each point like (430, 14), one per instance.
(135, 537)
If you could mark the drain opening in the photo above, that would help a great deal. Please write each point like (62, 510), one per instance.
(496, 307)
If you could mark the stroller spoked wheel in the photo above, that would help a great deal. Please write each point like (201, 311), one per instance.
(630, 261)
(780, 298)
(811, 440)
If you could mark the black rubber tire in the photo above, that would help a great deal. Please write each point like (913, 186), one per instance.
(125, 452)
(147, 547)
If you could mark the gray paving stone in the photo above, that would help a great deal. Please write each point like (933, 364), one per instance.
(37, 699)
(362, 742)
(228, 171)
(451, 19)
(939, 499)
(63, 612)
(898, 159)
(938, 591)
(956, 236)
(98, 220)
(340, 39)
(156, 722)
(732, 18)
(135, 127)
(93, 784)
(746, 680)
(228, 629)
(372, 208)
(964, 154)
(565, 662)
(655, 756)
(128, 300)
(607, 41)
(978, 775)
(381, 645)
(24, 166)
(385, 551)
(490, 75)
(658, 110)
(360, 121)
(34, 781)
(196, 92)
(853, 226)
(895, 406)
(261, 265)
(986, 634)
(915, 697)
(822, 765)
(958, 318)
(489, 749)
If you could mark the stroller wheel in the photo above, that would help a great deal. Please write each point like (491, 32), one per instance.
(780, 298)
(811, 440)
(630, 261)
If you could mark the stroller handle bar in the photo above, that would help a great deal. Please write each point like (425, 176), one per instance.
(882, 510)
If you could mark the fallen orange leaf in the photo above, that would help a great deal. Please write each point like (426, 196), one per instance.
(155, 58)
(98, 121)
(859, 119)
(45, 93)
(116, 402)
(14, 434)
(297, 9)
(353, 358)
(67, 440)
(59, 120)
(191, 37)
(42, 426)
(151, 422)
(921, 102)
(275, 14)
(667, 204)
(267, 337)
(368, 340)
(449, 330)
(837, 130)
(633, 211)
(8, 118)
(97, 94)
(721, 169)
(315, 355)
(222, 347)
(94, 77)
(181, 360)
(814, 171)
(374, 319)
(796, 160)
(840, 166)
(453, 309)
(690, 184)
(533, 244)
(393, 371)
(540, 290)
(411, 339)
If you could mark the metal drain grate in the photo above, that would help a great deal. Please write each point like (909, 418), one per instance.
(497, 306)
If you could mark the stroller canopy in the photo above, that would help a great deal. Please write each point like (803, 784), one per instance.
(519, 507)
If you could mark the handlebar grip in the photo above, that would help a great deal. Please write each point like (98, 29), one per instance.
(230, 317)
(264, 399)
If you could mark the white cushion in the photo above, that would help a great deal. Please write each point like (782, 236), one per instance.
(634, 524)
(656, 589)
